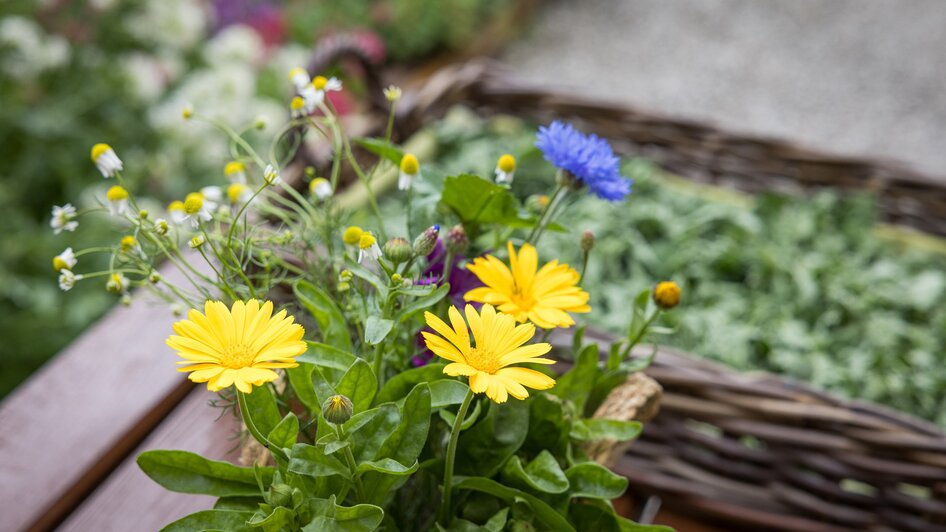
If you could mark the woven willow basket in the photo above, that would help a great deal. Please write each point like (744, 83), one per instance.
(745, 451)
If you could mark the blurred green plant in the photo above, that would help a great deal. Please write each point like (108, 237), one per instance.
(804, 287)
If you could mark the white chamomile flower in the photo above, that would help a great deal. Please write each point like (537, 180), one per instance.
(213, 195)
(271, 176)
(505, 169)
(235, 172)
(368, 247)
(392, 93)
(196, 241)
(299, 78)
(65, 260)
(67, 280)
(176, 212)
(410, 169)
(117, 283)
(63, 218)
(238, 194)
(161, 226)
(106, 160)
(320, 188)
(197, 209)
(117, 200)
(302, 106)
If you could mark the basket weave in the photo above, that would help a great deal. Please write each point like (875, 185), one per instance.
(748, 451)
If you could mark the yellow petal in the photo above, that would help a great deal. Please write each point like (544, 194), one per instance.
(443, 329)
(526, 353)
(463, 334)
(442, 348)
(457, 368)
(514, 388)
(476, 324)
(479, 382)
(528, 377)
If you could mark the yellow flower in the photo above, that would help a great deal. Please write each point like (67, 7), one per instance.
(544, 297)
(498, 344)
(667, 295)
(238, 346)
(352, 235)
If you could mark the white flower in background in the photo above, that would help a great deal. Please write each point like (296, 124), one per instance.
(161, 226)
(301, 107)
(117, 283)
(410, 169)
(213, 196)
(320, 188)
(271, 176)
(146, 75)
(117, 200)
(314, 93)
(176, 212)
(368, 247)
(392, 93)
(236, 43)
(235, 172)
(197, 209)
(238, 194)
(299, 78)
(106, 160)
(171, 24)
(63, 219)
(505, 169)
(196, 241)
(30, 50)
(65, 260)
(67, 280)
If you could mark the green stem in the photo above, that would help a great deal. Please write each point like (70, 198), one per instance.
(451, 457)
(251, 426)
(352, 466)
(546, 215)
(640, 334)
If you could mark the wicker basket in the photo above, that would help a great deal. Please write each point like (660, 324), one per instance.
(747, 451)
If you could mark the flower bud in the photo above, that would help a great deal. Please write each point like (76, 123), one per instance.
(337, 409)
(125, 300)
(177, 310)
(587, 241)
(537, 203)
(456, 241)
(187, 112)
(310, 171)
(344, 286)
(345, 275)
(280, 495)
(425, 243)
(161, 226)
(143, 214)
(154, 278)
(260, 123)
(398, 250)
(396, 279)
(197, 241)
(667, 295)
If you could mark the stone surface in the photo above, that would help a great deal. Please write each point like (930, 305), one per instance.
(859, 77)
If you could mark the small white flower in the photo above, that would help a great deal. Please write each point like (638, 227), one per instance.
(117, 283)
(117, 200)
(238, 194)
(505, 169)
(311, 98)
(197, 209)
(196, 241)
(320, 188)
(392, 93)
(368, 247)
(63, 219)
(106, 160)
(177, 310)
(299, 78)
(176, 212)
(235, 172)
(410, 169)
(161, 226)
(67, 280)
(65, 260)
(270, 175)
(212, 195)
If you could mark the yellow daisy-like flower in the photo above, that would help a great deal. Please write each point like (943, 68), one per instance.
(238, 346)
(498, 344)
(544, 297)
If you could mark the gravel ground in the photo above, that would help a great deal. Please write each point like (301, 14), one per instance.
(861, 77)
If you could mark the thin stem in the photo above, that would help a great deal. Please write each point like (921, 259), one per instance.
(451, 457)
(640, 334)
(251, 426)
(352, 466)
(546, 217)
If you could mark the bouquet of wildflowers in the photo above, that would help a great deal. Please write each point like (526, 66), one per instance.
(391, 380)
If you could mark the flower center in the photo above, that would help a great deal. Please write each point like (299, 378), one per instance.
(483, 360)
(522, 298)
(237, 356)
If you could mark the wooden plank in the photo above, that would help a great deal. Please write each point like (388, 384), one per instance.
(81, 414)
(129, 500)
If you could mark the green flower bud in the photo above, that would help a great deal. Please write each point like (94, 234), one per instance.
(345, 276)
(396, 279)
(537, 203)
(280, 495)
(398, 250)
(310, 171)
(425, 243)
(456, 241)
(587, 241)
(344, 286)
(154, 278)
(143, 214)
(337, 409)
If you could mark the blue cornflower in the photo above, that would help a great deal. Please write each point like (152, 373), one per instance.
(587, 157)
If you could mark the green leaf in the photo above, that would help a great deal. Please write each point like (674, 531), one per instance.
(300, 378)
(312, 461)
(402, 383)
(575, 385)
(284, 434)
(497, 522)
(446, 392)
(186, 472)
(377, 329)
(551, 519)
(477, 200)
(335, 446)
(241, 504)
(358, 384)
(229, 520)
(330, 319)
(425, 301)
(364, 273)
(372, 430)
(605, 429)
(592, 480)
(381, 148)
(547, 426)
(487, 445)
(330, 517)
(263, 408)
(326, 356)
(626, 525)
(277, 520)
(542, 474)
(592, 517)
(386, 466)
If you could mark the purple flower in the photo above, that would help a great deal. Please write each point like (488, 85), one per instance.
(587, 157)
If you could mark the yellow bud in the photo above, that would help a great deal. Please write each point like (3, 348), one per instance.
(352, 235)
(507, 163)
(667, 295)
(128, 243)
(116, 193)
(409, 164)
(187, 112)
